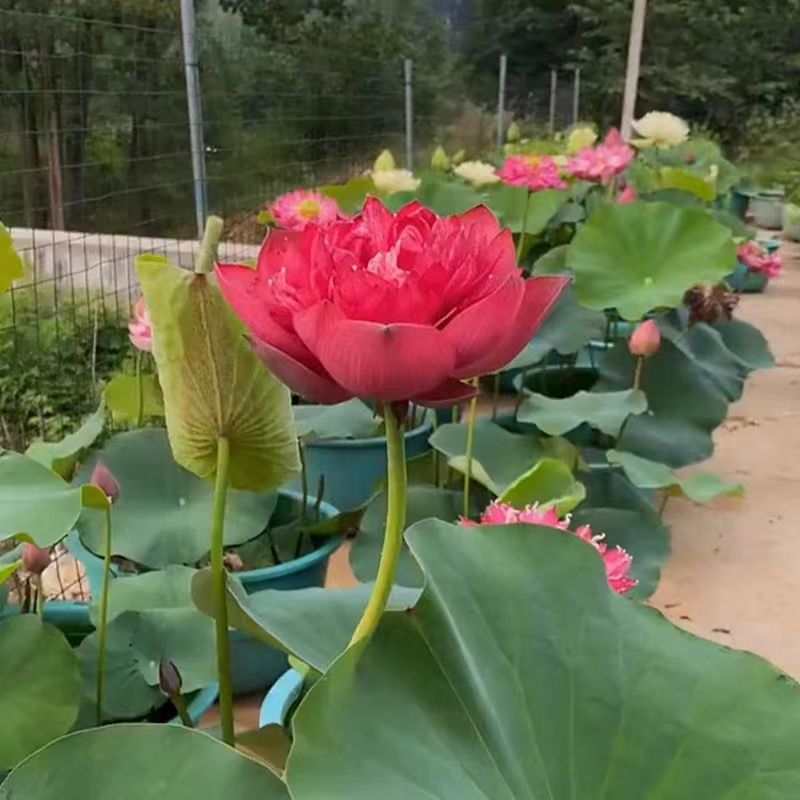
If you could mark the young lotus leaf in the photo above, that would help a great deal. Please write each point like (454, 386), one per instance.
(36, 504)
(141, 762)
(40, 687)
(675, 178)
(162, 512)
(352, 419)
(123, 400)
(11, 266)
(553, 262)
(351, 195)
(314, 624)
(446, 197)
(7, 570)
(519, 210)
(213, 383)
(698, 486)
(62, 457)
(641, 256)
(606, 411)
(549, 483)
(521, 675)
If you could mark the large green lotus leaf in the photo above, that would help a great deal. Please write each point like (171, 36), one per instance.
(747, 344)
(62, 457)
(606, 411)
(698, 486)
(352, 419)
(676, 178)
(163, 511)
(141, 762)
(498, 457)
(167, 625)
(214, 385)
(567, 327)
(40, 688)
(122, 396)
(518, 211)
(447, 197)
(313, 624)
(422, 502)
(553, 262)
(685, 404)
(549, 483)
(11, 266)
(520, 674)
(35, 502)
(641, 256)
(351, 195)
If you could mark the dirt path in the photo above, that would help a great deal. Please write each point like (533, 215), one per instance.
(734, 575)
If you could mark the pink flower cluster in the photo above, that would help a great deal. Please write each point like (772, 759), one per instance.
(616, 560)
(533, 172)
(295, 211)
(604, 161)
(757, 259)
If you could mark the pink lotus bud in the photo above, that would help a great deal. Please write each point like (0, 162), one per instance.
(35, 559)
(645, 340)
(105, 481)
(627, 195)
(169, 678)
(140, 329)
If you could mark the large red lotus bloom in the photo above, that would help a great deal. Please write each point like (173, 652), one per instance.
(616, 560)
(391, 307)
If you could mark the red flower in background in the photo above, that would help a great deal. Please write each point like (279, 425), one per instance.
(391, 307)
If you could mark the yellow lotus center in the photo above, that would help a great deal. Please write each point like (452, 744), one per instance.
(533, 161)
(308, 209)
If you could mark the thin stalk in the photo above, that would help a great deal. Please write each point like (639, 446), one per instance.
(208, 246)
(179, 701)
(220, 599)
(637, 375)
(663, 507)
(437, 477)
(395, 524)
(102, 624)
(139, 391)
(303, 481)
(473, 407)
(521, 242)
(456, 413)
(495, 394)
(39, 595)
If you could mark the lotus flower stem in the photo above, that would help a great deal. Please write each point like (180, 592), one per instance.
(473, 408)
(495, 394)
(220, 593)
(521, 241)
(179, 701)
(208, 246)
(139, 390)
(102, 623)
(39, 596)
(395, 524)
(637, 374)
(303, 481)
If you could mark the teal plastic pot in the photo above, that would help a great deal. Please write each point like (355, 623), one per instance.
(352, 467)
(254, 665)
(738, 203)
(746, 281)
(279, 700)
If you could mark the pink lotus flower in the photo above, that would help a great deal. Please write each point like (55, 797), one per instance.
(295, 211)
(533, 172)
(645, 340)
(35, 559)
(391, 307)
(616, 560)
(140, 330)
(104, 480)
(603, 162)
(757, 259)
(627, 195)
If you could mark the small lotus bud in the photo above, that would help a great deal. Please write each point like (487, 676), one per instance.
(458, 158)
(689, 159)
(384, 162)
(105, 481)
(169, 679)
(580, 138)
(35, 559)
(645, 340)
(627, 195)
(513, 134)
(439, 159)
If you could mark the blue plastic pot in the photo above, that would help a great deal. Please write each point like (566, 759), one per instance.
(353, 466)
(738, 203)
(254, 665)
(746, 281)
(280, 699)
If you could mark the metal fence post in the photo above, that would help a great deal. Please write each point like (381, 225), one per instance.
(501, 101)
(551, 124)
(408, 67)
(576, 96)
(192, 70)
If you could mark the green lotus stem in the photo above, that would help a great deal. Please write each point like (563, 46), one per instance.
(39, 595)
(495, 394)
(139, 391)
(303, 481)
(456, 412)
(521, 241)
(219, 582)
(473, 408)
(395, 524)
(102, 624)
(208, 246)
(663, 507)
(179, 701)
(637, 374)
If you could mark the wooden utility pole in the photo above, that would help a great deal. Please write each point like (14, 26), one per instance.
(634, 64)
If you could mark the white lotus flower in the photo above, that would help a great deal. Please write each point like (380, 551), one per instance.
(661, 129)
(478, 173)
(390, 181)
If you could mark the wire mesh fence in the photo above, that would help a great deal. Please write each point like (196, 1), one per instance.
(96, 158)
